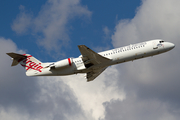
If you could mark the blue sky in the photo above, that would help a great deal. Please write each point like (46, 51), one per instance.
(88, 31)
(146, 89)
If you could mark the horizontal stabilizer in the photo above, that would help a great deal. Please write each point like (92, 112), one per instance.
(16, 58)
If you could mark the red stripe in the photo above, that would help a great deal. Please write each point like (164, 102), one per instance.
(69, 60)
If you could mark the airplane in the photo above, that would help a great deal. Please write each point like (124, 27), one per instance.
(90, 62)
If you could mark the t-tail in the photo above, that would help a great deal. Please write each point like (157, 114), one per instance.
(31, 64)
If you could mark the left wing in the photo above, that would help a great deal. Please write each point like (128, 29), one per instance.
(90, 76)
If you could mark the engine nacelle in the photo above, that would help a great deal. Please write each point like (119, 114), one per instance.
(62, 63)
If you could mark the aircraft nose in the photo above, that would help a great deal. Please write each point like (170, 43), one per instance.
(170, 45)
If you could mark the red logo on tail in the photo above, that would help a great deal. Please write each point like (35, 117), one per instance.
(31, 65)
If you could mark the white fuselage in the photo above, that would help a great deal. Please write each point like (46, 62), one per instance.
(118, 55)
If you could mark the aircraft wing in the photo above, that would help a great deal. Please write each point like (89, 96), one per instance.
(90, 76)
(90, 57)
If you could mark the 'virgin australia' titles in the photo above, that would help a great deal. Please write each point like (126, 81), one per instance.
(90, 62)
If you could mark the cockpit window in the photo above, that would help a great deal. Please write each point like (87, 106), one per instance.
(161, 41)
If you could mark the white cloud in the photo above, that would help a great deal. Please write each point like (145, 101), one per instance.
(154, 19)
(92, 95)
(23, 21)
(106, 32)
(69, 97)
(12, 114)
(149, 87)
(153, 81)
(51, 25)
(33, 98)
(134, 108)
